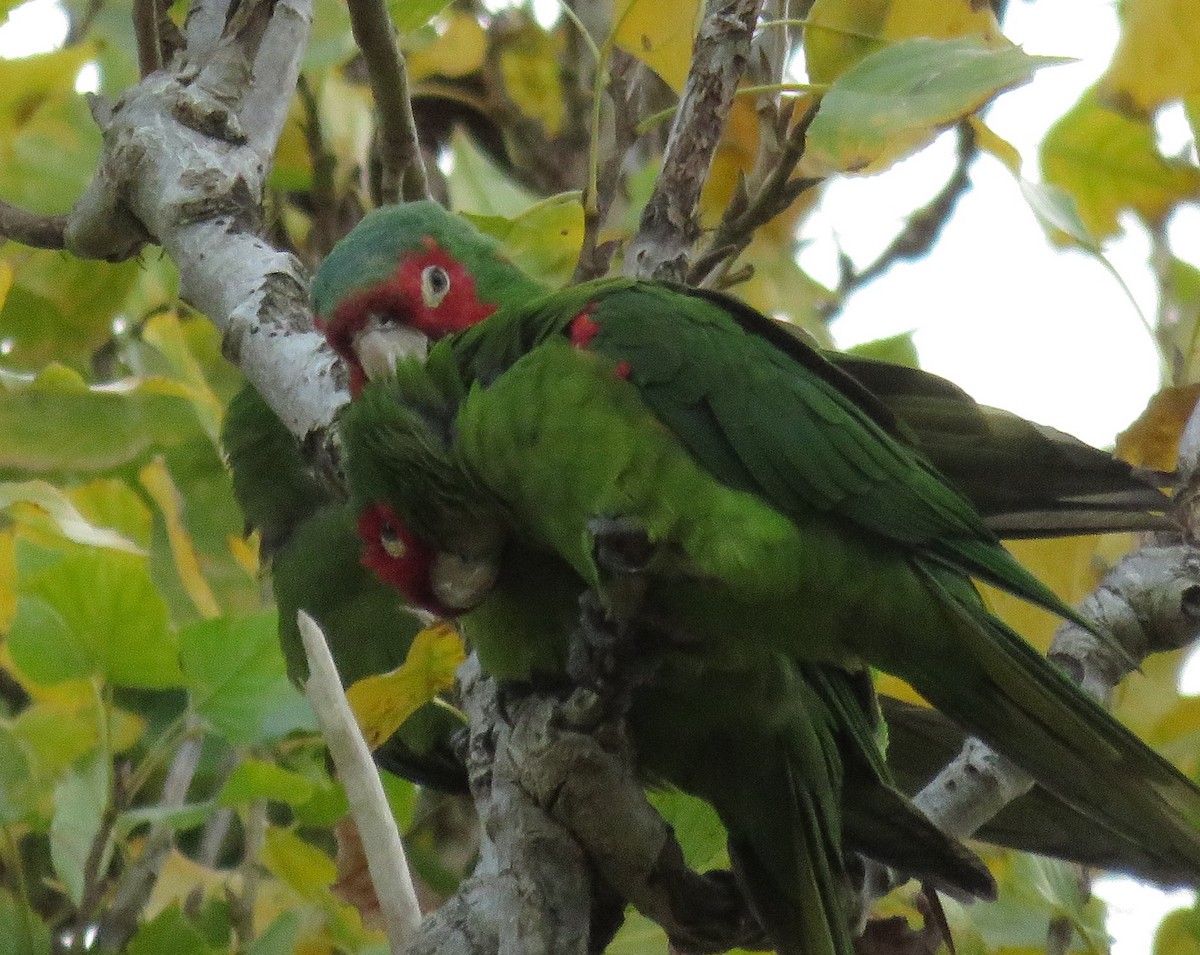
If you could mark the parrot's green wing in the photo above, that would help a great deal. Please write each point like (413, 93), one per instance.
(315, 566)
(1025, 479)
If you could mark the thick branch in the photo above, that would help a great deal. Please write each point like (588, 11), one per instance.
(570, 829)
(403, 170)
(178, 168)
(669, 229)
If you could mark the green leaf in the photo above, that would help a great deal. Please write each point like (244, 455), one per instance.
(179, 818)
(18, 796)
(57, 423)
(543, 240)
(63, 514)
(1110, 163)
(478, 185)
(257, 779)
(22, 931)
(1056, 211)
(699, 831)
(897, 349)
(94, 613)
(409, 15)
(80, 801)
(279, 937)
(235, 670)
(897, 99)
(169, 931)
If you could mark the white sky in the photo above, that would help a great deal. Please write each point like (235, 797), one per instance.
(1046, 333)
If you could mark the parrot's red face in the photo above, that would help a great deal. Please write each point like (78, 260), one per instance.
(429, 295)
(399, 559)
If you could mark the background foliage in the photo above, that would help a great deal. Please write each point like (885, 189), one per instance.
(152, 752)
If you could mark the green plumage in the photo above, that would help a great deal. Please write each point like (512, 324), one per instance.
(313, 547)
(795, 526)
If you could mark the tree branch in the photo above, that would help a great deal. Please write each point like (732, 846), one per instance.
(381, 843)
(179, 168)
(28, 228)
(120, 917)
(668, 228)
(145, 29)
(403, 170)
(924, 226)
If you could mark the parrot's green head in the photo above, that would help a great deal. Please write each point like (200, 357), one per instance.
(406, 275)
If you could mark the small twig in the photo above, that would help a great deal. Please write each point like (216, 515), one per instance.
(923, 226)
(28, 228)
(120, 918)
(386, 860)
(668, 228)
(145, 29)
(80, 27)
(243, 904)
(594, 258)
(403, 169)
(776, 192)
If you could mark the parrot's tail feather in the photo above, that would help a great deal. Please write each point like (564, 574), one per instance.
(1006, 693)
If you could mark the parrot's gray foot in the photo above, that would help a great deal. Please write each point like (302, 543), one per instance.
(609, 655)
(621, 545)
(623, 552)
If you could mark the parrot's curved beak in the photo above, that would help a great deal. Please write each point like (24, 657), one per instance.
(381, 344)
(460, 583)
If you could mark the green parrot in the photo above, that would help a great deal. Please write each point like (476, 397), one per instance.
(768, 480)
(311, 541)
(1026, 479)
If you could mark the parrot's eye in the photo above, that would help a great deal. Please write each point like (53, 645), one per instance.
(389, 537)
(435, 283)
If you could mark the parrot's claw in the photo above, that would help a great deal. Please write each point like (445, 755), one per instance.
(621, 545)
(623, 552)
(609, 654)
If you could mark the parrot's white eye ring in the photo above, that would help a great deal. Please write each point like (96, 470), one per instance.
(392, 545)
(435, 283)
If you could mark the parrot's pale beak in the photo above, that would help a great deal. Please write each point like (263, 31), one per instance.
(379, 346)
(461, 583)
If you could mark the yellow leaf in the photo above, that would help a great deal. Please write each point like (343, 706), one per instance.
(8, 579)
(659, 34)
(383, 702)
(842, 32)
(1158, 56)
(1109, 162)
(6, 281)
(245, 552)
(52, 505)
(293, 861)
(1153, 440)
(458, 49)
(530, 68)
(998, 146)
(155, 478)
(1070, 566)
(178, 878)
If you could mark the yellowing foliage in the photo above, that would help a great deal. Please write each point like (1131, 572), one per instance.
(1109, 162)
(659, 34)
(381, 703)
(1153, 440)
(842, 32)
(1158, 56)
